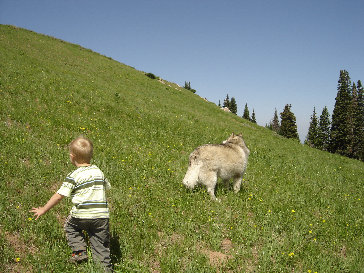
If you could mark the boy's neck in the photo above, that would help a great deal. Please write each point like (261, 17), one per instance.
(82, 164)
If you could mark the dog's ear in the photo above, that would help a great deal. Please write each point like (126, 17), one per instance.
(240, 135)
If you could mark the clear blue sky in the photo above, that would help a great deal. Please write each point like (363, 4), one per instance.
(266, 53)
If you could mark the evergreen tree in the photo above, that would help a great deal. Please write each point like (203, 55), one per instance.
(323, 140)
(253, 117)
(246, 114)
(275, 122)
(288, 123)
(312, 136)
(340, 126)
(353, 111)
(219, 104)
(233, 107)
(226, 102)
(187, 85)
(358, 141)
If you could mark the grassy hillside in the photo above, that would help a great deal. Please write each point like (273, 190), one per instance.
(299, 210)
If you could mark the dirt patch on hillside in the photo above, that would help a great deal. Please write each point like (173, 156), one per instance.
(17, 268)
(16, 242)
(226, 245)
(218, 258)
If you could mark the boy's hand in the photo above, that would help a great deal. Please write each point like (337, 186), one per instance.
(38, 211)
(50, 204)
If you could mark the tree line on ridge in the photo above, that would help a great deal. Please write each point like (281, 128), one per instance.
(343, 134)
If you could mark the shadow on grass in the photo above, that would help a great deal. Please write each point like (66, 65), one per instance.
(115, 248)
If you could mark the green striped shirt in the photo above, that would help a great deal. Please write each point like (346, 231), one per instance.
(87, 188)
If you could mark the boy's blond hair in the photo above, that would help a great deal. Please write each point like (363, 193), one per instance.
(82, 148)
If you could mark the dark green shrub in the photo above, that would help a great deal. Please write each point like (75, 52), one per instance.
(151, 75)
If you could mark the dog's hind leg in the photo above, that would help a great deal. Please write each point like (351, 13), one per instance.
(211, 191)
(237, 184)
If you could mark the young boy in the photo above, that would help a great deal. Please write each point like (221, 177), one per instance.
(86, 186)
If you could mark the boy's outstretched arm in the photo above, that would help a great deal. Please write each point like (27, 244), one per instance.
(54, 200)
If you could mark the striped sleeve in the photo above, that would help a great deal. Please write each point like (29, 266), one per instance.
(67, 187)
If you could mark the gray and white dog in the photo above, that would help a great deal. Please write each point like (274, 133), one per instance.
(209, 162)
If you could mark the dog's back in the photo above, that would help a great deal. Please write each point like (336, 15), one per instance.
(227, 160)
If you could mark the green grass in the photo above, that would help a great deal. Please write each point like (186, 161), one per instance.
(299, 209)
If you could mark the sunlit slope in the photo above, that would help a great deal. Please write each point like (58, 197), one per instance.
(299, 208)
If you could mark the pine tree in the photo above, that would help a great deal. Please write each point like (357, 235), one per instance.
(253, 117)
(358, 141)
(187, 85)
(226, 102)
(275, 122)
(233, 107)
(288, 123)
(353, 112)
(312, 136)
(246, 114)
(340, 127)
(323, 140)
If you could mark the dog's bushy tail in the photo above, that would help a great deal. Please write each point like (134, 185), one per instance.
(191, 178)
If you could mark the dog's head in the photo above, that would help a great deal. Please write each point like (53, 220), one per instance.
(234, 139)
(237, 140)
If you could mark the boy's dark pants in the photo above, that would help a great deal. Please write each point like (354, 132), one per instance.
(98, 233)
